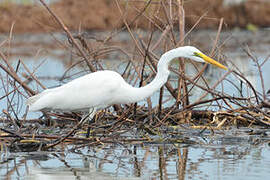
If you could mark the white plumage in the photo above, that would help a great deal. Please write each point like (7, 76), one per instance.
(91, 90)
(104, 88)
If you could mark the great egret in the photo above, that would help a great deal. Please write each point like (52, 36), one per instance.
(101, 89)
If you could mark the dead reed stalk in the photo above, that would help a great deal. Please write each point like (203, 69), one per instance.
(214, 108)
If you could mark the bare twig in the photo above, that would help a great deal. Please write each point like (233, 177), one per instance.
(91, 67)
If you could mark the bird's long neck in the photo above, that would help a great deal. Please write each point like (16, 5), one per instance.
(160, 79)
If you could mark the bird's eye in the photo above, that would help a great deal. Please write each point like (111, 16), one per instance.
(196, 54)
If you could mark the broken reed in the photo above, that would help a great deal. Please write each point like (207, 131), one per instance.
(235, 111)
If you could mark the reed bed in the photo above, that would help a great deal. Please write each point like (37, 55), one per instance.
(134, 123)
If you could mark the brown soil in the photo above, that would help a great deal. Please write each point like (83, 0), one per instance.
(104, 15)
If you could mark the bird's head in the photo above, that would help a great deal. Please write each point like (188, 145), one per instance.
(195, 54)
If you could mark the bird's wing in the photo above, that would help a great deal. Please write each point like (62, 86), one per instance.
(92, 90)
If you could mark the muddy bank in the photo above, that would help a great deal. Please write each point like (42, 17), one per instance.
(106, 15)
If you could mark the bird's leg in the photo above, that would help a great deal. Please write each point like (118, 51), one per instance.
(88, 116)
(91, 114)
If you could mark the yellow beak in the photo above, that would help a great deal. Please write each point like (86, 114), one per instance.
(210, 60)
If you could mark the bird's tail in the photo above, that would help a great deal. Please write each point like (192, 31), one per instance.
(31, 101)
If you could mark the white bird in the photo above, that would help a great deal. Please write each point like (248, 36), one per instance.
(101, 89)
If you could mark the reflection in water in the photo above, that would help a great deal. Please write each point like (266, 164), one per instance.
(87, 172)
(219, 158)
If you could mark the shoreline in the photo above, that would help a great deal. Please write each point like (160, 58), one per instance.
(105, 15)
